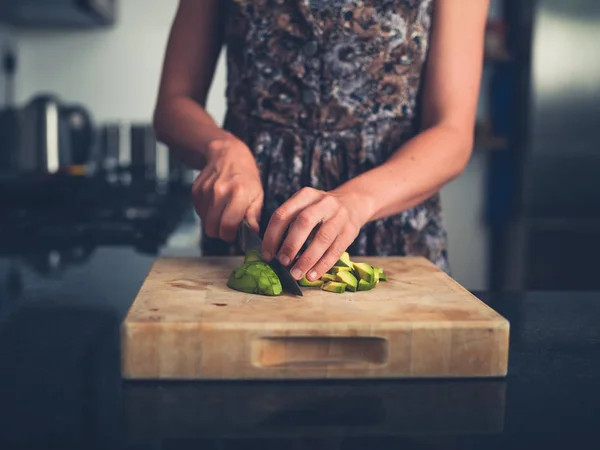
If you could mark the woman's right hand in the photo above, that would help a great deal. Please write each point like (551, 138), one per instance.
(228, 189)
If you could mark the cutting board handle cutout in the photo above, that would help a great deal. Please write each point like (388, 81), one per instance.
(312, 351)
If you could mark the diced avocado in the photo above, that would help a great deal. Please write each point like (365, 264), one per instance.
(252, 256)
(255, 277)
(333, 286)
(348, 279)
(382, 276)
(328, 277)
(365, 285)
(306, 283)
(364, 272)
(337, 269)
(344, 260)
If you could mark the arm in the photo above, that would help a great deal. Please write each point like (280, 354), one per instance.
(416, 170)
(228, 187)
(193, 49)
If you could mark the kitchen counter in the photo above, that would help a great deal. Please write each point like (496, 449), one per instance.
(60, 381)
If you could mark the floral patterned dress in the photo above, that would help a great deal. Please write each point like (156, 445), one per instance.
(324, 90)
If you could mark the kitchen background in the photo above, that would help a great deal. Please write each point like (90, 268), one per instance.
(525, 213)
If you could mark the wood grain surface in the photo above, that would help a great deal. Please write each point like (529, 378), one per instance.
(186, 324)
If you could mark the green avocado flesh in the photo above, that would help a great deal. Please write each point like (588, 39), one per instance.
(337, 269)
(344, 261)
(306, 283)
(349, 280)
(332, 286)
(328, 277)
(382, 276)
(364, 272)
(365, 285)
(255, 277)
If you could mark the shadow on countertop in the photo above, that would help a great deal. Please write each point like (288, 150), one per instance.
(60, 386)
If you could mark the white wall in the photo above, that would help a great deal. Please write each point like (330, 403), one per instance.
(115, 72)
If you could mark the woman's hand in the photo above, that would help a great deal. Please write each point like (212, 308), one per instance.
(338, 217)
(228, 189)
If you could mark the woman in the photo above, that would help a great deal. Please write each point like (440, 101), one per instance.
(344, 116)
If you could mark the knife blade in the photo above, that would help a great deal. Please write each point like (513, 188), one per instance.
(250, 240)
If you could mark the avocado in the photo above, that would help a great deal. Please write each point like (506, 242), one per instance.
(333, 286)
(348, 279)
(252, 256)
(304, 282)
(344, 260)
(365, 285)
(364, 272)
(337, 269)
(382, 276)
(375, 276)
(255, 277)
(328, 277)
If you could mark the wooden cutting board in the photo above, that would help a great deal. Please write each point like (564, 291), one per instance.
(186, 324)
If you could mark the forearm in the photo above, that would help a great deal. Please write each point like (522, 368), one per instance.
(412, 174)
(187, 129)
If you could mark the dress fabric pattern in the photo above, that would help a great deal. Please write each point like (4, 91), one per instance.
(324, 90)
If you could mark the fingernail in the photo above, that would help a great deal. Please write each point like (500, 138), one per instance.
(296, 273)
(312, 276)
(284, 259)
(267, 256)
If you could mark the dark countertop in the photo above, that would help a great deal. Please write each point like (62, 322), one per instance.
(60, 383)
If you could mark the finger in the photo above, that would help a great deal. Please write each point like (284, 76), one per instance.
(201, 191)
(302, 226)
(232, 216)
(218, 200)
(331, 256)
(253, 213)
(282, 217)
(324, 239)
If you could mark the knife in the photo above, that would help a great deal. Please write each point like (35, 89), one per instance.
(250, 240)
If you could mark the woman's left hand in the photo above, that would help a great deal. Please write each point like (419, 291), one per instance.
(339, 218)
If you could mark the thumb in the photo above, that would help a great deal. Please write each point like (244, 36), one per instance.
(253, 214)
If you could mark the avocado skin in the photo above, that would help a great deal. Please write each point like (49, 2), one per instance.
(255, 277)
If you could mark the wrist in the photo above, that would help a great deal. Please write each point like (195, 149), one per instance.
(360, 204)
(227, 145)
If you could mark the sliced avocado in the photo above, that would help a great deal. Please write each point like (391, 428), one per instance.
(328, 277)
(375, 276)
(365, 285)
(252, 256)
(364, 272)
(382, 276)
(348, 279)
(255, 277)
(306, 283)
(337, 269)
(344, 260)
(333, 286)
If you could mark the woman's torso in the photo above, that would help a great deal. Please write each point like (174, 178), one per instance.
(326, 64)
(324, 90)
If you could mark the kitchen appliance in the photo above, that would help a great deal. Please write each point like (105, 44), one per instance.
(187, 324)
(46, 136)
(58, 13)
(249, 240)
